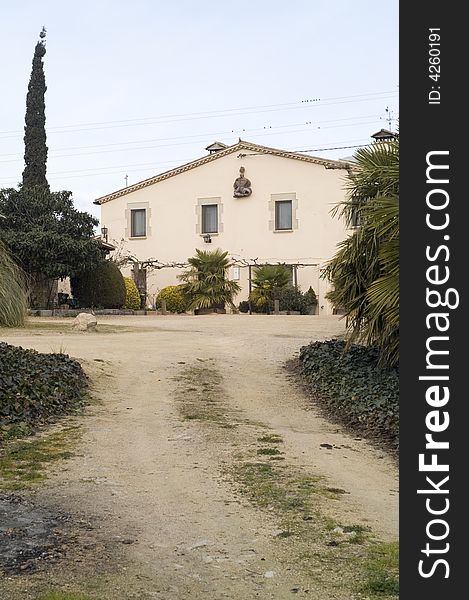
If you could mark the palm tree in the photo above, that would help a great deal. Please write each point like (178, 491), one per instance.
(267, 281)
(206, 282)
(13, 292)
(365, 271)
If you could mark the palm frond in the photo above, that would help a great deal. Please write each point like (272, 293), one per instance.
(365, 270)
(13, 292)
(206, 281)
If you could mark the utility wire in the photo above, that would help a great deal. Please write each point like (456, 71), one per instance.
(326, 149)
(209, 114)
(147, 166)
(186, 143)
(356, 121)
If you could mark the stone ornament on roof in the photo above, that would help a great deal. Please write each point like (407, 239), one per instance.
(242, 185)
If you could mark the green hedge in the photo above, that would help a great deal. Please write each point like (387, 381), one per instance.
(352, 387)
(132, 297)
(102, 287)
(176, 300)
(290, 299)
(35, 386)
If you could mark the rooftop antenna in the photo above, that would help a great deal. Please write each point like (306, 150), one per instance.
(126, 180)
(390, 117)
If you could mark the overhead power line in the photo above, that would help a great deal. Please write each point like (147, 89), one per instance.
(334, 148)
(75, 173)
(205, 136)
(202, 140)
(210, 114)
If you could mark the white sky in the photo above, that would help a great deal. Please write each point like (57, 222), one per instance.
(127, 82)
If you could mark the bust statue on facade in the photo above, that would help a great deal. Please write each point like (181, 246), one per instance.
(242, 185)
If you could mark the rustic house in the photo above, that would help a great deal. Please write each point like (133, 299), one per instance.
(262, 205)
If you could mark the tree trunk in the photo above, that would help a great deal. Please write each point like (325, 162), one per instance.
(43, 293)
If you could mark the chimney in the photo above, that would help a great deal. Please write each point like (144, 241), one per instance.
(216, 147)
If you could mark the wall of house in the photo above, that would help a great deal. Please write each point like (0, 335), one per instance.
(246, 225)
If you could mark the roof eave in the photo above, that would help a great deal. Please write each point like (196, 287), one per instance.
(241, 145)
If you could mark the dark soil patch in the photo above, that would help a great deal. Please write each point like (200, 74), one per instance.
(36, 535)
(30, 536)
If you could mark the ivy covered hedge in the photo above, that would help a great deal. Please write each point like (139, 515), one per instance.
(35, 386)
(351, 387)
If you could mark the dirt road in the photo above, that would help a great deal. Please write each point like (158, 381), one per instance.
(201, 467)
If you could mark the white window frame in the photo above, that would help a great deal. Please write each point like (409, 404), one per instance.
(274, 198)
(133, 234)
(128, 219)
(277, 215)
(198, 211)
(203, 209)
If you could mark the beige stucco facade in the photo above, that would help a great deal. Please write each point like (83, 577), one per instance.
(246, 226)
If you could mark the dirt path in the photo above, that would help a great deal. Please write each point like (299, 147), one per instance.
(189, 407)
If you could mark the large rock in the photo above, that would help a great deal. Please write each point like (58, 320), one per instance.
(85, 322)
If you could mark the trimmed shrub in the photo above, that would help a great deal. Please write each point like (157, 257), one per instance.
(176, 300)
(103, 287)
(35, 386)
(310, 297)
(132, 297)
(292, 299)
(353, 388)
(243, 306)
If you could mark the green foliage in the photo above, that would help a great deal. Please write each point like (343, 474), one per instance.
(243, 306)
(291, 298)
(45, 234)
(310, 297)
(23, 462)
(382, 570)
(132, 297)
(206, 282)
(353, 387)
(63, 596)
(176, 300)
(268, 280)
(365, 271)
(102, 287)
(35, 149)
(259, 304)
(35, 386)
(13, 292)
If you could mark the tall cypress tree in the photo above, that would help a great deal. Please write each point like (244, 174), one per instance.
(35, 149)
